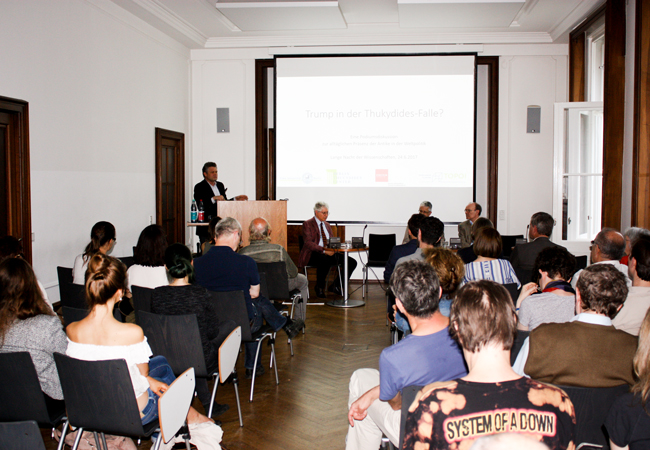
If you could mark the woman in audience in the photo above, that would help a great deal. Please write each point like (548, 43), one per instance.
(182, 297)
(628, 421)
(100, 337)
(556, 302)
(27, 323)
(149, 268)
(487, 266)
(102, 240)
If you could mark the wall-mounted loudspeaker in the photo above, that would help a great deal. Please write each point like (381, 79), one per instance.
(223, 120)
(533, 119)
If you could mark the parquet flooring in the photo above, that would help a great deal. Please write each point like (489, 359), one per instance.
(308, 409)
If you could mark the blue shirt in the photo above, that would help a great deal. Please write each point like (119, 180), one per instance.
(222, 270)
(419, 360)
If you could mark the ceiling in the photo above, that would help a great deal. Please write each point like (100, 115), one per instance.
(246, 23)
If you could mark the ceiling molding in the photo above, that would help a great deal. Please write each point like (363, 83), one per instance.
(582, 10)
(173, 20)
(524, 12)
(374, 40)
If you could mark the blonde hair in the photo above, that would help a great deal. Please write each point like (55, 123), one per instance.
(642, 362)
(448, 266)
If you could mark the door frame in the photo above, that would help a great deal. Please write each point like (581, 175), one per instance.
(18, 168)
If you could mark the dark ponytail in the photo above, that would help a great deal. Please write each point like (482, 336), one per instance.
(178, 259)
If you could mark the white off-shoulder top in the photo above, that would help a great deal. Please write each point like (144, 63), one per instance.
(133, 354)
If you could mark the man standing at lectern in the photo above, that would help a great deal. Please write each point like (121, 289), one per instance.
(316, 233)
(210, 191)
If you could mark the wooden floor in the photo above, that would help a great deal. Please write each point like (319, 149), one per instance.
(308, 409)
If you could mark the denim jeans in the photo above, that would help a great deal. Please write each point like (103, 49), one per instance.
(160, 370)
(402, 324)
(263, 310)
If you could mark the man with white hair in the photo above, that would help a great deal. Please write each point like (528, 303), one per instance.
(262, 251)
(425, 211)
(316, 233)
(222, 269)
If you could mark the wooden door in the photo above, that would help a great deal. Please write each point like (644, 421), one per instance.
(170, 184)
(15, 200)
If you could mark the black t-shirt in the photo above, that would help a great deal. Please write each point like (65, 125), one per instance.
(455, 413)
(628, 423)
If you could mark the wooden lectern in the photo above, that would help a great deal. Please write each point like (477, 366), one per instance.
(275, 212)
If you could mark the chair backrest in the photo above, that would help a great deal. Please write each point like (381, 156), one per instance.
(73, 295)
(408, 396)
(277, 279)
(20, 391)
(64, 274)
(141, 300)
(581, 262)
(21, 436)
(232, 305)
(264, 287)
(127, 260)
(379, 248)
(591, 406)
(520, 338)
(513, 291)
(175, 403)
(509, 242)
(71, 314)
(228, 353)
(177, 338)
(524, 275)
(99, 395)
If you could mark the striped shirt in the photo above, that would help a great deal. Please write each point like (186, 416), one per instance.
(498, 270)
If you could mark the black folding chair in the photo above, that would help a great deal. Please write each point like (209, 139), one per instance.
(591, 407)
(73, 295)
(141, 297)
(509, 242)
(21, 436)
(22, 397)
(379, 248)
(513, 291)
(178, 339)
(232, 305)
(99, 398)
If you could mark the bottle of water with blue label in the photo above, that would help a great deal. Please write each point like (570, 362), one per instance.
(193, 212)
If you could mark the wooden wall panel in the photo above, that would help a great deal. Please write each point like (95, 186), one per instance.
(641, 169)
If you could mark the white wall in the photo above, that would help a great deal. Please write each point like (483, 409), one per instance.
(529, 75)
(98, 82)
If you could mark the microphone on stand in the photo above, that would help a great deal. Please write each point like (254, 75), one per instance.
(363, 235)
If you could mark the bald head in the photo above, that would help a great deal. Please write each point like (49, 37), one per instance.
(609, 245)
(259, 230)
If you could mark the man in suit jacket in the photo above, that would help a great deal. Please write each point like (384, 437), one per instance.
(210, 191)
(524, 255)
(316, 232)
(472, 212)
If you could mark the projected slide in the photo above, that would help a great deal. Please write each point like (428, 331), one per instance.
(375, 127)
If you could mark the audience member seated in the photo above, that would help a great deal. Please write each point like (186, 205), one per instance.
(427, 355)
(10, 247)
(636, 304)
(429, 236)
(607, 248)
(102, 240)
(405, 249)
(524, 255)
(205, 246)
(628, 421)
(181, 297)
(556, 302)
(425, 211)
(262, 251)
(99, 337)
(508, 441)
(27, 323)
(632, 235)
(491, 398)
(467, 254)
(472, 212)
(221, 269)
(588, 351)
(488, 247)
(149, 268)
(316, 232)
(450, 270)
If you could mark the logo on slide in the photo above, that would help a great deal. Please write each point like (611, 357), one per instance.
(381, 175)
(331, 176)
(307, 178)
